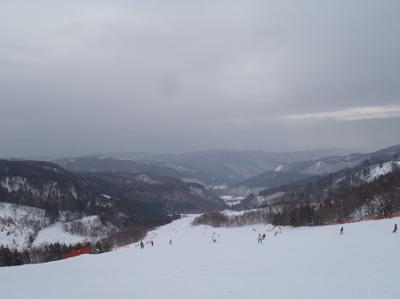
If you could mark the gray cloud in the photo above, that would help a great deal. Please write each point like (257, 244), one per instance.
(86, 76)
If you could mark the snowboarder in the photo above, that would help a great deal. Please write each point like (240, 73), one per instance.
(395, 228)
(141, 245)
(341, 230)
(259, 239)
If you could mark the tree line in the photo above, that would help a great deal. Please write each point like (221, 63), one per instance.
(47, 253)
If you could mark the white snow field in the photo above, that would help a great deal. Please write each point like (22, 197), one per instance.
(299, 263)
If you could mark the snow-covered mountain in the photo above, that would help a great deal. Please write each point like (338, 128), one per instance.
(286, 173)
(41, 202)
(174, 195)
(369, 189)
(371, 172)
(265, 180)
(23, 227)
(19, 224)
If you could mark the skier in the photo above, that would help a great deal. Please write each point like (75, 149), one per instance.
(170, 242)
(395, 228)
(259, 239)
(276, 232)
(152, 243)
(263, 236)
(341, 230)
(141, 245)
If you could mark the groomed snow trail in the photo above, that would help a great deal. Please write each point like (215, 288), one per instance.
(299, 263)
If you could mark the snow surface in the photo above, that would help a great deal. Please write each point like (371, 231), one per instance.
(85, 229)
(299, 263)
(18, 224)
(218, 187)
(56, 233)
(231, 200)
(379, 170)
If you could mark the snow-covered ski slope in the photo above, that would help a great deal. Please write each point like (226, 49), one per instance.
(299, 263)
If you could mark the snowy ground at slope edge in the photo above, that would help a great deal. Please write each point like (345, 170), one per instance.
(300, 263)
(56, 233)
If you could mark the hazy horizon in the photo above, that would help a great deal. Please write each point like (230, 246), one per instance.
(323, 152)
(82, 77)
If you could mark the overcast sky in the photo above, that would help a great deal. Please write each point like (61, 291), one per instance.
(171, 76)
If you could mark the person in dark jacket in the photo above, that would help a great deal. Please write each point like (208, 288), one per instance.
(341, 230)
(395, 228)
(141, 244)
(259, 239)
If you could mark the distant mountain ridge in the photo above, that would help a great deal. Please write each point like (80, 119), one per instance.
(173, 195)
(286, 173)
(368, 187)
(209, 168)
